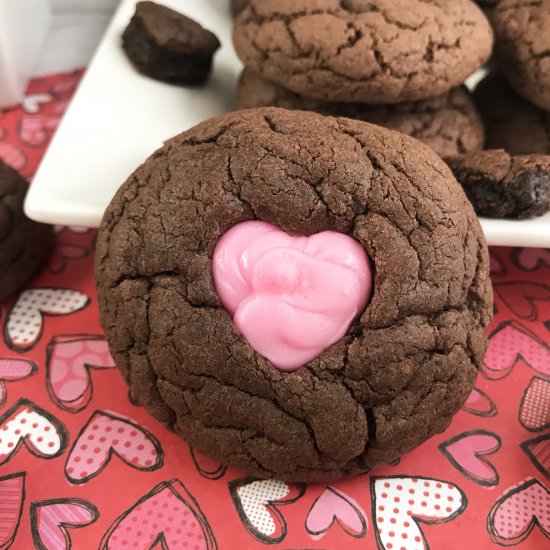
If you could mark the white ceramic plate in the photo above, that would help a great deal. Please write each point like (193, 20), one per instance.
(118, 118)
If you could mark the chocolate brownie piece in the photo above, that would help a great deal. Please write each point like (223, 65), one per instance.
(377, 51)
(503, 186)
(238, 6)
(24, 244)
(511, 122)
(403, 369)
(449, 124)
(522, 29)
(168, 46)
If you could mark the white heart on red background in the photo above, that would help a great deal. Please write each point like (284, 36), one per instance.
(515, 514)
(179, 523)
(27, 424)
(534, 411)
(13, 370)
(105, 435)
(26, 319)
(257, 502)
(12, 497)
(399, 504)
(51, 519)
(69, 362)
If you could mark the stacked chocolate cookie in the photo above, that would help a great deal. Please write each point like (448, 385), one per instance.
(399, 64)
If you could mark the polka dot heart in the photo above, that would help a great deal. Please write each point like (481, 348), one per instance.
(168, 513)
(12, 370)
(25, 321)
(398, 502)
(104, 435)
(516, 513)
(534, 412)
(26, 423)
(509, 342)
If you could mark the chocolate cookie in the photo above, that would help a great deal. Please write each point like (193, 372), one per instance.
(522, 29)
(237, 6)
(395, 378)
(381, 51)
(449, 124)
(511, 122)
(24, 244)
(168, 46)
(503, 186)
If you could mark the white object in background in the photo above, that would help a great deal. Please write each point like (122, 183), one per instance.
(23, 28)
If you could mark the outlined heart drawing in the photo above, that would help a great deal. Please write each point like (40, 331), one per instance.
(24, 423)
(179, 522)
(531, 259)
(534, 409)
(69, 362)
(480, 404)
(509, 343)
(208, 468)
(400, 504)
(515, 514)
(257, 502)
(62, 254)
(51, 519)
(105, 435)
(520, 297)
(12, 497)
(538, 451)
(14, 370)
(496, 266)
(334, 506)
(467, 452)
(26, 318)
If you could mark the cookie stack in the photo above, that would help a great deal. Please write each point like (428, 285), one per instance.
(395, 63)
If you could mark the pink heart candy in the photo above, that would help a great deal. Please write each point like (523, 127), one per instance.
(290, 297)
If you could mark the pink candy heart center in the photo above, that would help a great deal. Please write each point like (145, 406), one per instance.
(290, 297)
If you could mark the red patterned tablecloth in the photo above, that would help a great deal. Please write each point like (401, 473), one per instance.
(83, 467)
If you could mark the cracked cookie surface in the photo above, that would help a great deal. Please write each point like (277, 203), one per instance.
(522, 29)
(500, 185)
(404, 367)
(449, 124)
(24, 244)
(382, 51)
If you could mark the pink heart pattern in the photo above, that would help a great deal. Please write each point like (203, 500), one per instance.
(35, 130)
(25, 423)
(466, 452)
(520, 297)
(531, 259)
(538, 451)
(178, 524)
(480, 404)
(26, 319)
(515, 514)
(50, 520)
(508, 343)
(534, 412)
(400, 503)
(496, 266)
(106, 434)
(12, 495)
(335, 506)
(257, 502)
(69, 361)
(64, 252)
(13, 370)
(13, 156)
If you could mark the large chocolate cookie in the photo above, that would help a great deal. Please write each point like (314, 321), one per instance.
(503, 186)
(381, 51)
(449, 124)
(403, 368)
(24, 244)
(522, 29)
(511, 122)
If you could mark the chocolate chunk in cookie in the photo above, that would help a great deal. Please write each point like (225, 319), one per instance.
(238, 6)
(24, 244)
(402, 369)
(503, 186)
(449, 124)
(376, 51)
(511, 122)
(168, 46)
(522, 29)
